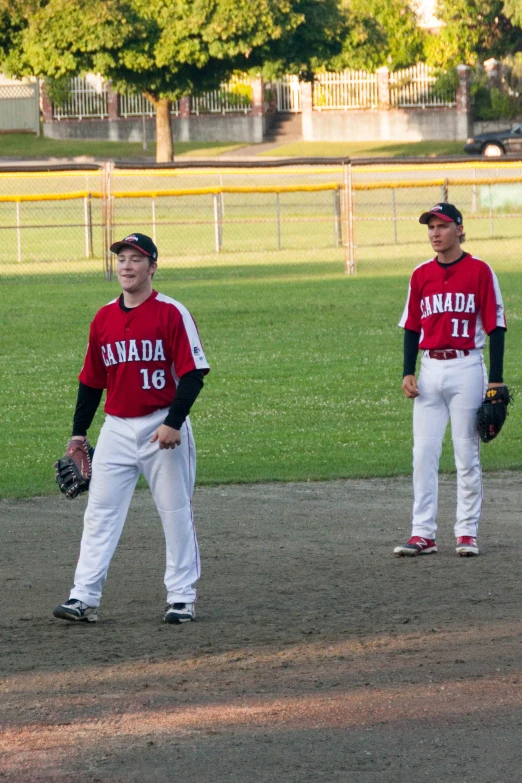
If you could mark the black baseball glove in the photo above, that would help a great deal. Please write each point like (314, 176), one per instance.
(492, 413)
(73, 470)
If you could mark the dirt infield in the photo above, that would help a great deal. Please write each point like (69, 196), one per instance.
(316, 654)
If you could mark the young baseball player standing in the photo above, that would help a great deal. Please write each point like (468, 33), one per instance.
(144, 348)
(453, 302)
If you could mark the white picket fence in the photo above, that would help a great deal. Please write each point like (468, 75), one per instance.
(87, 97)
(413, 87)
(138, 105)
(345, 90)
(288, 91)
(232, 96)
(349, 89)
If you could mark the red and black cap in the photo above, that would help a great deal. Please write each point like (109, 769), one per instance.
(140, 241)
(447, 212)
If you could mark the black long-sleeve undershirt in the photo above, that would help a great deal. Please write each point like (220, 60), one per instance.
(496, 353)
(188, 388)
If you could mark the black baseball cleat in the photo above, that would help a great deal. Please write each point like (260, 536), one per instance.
(179, 613)
(77, 611)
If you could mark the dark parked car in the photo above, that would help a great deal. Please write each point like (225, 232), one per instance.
(493, 145)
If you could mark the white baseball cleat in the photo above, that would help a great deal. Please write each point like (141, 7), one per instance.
(77, 611)
(416, 546)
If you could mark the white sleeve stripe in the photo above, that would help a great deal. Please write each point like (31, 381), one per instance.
(501, 317)
(405, 313)
(190, 328)
(404, 317)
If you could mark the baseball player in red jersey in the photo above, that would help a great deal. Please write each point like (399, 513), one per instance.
(454, 301)
(144, 348)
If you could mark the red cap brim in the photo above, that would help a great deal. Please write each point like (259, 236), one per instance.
(424, 218)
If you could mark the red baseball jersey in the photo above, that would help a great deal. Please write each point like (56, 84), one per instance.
(453, 306)
(139, 356)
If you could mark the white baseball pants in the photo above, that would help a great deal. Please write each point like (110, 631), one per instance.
(448, 389)
(123, 452)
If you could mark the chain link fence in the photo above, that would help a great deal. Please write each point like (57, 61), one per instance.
(346, 216)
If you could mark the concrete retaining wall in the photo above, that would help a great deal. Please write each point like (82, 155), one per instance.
(492, 126)
(445, 124)
(240, 128)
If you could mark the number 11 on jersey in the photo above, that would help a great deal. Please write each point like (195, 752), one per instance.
(455, 333)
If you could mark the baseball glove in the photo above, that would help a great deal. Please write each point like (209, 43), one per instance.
(492, 413)
(73, 470)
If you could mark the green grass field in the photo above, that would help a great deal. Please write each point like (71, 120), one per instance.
(306, 370)
(27, 145)
(341, 149)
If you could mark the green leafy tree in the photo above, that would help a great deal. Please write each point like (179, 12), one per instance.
(472, 31)
(14, 18)
(513, 11)
(381, 32)
(165, 49)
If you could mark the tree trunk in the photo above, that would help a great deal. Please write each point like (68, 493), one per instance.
(164, 144)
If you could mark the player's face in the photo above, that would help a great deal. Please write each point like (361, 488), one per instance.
(134, 271)
(443, 236)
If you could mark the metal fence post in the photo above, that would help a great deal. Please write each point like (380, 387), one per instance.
(110, 168)
(87, 222)
(337, 217)
(490, 212)
(154, 220)
(278, 213)
(220, 220)
(217, 244)
(107, 218)
(18, 232)
(350, 266)
(394, 211)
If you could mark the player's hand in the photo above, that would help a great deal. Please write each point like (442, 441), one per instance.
(167, 437)
(409, 386)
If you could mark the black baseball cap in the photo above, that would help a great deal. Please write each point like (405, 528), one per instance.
(144, 244)
(447, 212)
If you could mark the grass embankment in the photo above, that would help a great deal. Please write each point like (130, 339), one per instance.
(360, 149)
(305, 381)
(28, 146)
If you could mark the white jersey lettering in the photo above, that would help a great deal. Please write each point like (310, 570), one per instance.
(146, 350)
(460, 301)
(133, 355)
(451, 303)
(122, 353)
(132, 351)
(159, 355)
(470, 304)
(110, 356)
(437, 303)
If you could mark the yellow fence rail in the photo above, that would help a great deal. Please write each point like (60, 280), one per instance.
(379, 212)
